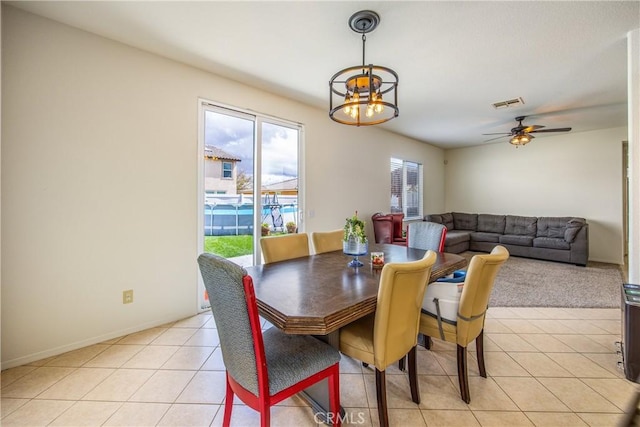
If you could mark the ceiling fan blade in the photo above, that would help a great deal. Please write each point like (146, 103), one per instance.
(499, 133)
(529, 129)
(552, 130)
(493, 139)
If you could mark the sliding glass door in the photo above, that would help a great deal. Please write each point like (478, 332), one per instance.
(239, 153)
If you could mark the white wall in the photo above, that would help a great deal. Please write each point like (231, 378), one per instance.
(574, 174)
(99, 160)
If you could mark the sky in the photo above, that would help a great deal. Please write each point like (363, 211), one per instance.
(235, 136)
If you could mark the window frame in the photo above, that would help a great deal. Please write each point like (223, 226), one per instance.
(230, 170)
(406, 193)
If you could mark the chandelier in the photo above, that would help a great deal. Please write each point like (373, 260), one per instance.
(363, 95)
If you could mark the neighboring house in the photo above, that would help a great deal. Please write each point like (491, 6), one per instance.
(287, 187)
(220, 172)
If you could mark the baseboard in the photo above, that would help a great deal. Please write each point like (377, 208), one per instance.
(34, 357)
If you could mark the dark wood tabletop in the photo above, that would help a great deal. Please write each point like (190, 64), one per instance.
(319, 294)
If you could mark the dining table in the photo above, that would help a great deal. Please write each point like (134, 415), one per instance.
(318, 294)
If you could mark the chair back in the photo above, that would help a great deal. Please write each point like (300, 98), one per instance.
(426, 235)
(225, 284)
(327, 241)
(287, 246)
(397, 317)
(474, 300)
(382, 228)
(396, 219)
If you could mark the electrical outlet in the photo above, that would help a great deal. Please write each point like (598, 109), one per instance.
(127, 296)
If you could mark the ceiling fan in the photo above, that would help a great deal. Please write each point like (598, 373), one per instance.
(521, 135)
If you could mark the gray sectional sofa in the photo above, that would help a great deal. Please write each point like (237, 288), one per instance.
(563, 239)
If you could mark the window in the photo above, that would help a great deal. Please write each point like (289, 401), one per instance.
(406, 188)
(241, 151)
(227, 170)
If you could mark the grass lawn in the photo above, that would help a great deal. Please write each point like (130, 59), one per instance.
(228, 246)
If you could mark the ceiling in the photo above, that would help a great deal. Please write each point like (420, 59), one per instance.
(566, 60)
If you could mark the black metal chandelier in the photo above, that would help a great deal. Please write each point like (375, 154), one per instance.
(363, 95)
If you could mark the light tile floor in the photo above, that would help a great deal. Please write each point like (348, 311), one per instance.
(546, 367)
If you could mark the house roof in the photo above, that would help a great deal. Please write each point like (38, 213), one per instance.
(286, 185)
(212, 152)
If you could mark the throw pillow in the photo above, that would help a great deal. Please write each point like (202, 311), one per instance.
(573, 228)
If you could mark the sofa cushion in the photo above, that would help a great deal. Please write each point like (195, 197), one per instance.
(552, 227)
(574, 225)
(465, 221)
(479, 236)
(520, 225)
(551, 243)
(518, 240)
(457, 236)
(433, 218)
(447, 220)
(491, 223)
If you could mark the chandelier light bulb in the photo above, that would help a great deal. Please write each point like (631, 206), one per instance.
(370, 110)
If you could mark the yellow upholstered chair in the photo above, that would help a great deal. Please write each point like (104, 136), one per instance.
(327, 241)
(471, 312)
(383, 338)
(286, 246)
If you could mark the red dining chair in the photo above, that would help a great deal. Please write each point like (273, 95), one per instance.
(263, 368)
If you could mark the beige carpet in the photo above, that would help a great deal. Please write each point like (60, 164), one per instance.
(524, 282)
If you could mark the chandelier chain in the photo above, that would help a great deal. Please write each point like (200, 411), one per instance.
(364, 40)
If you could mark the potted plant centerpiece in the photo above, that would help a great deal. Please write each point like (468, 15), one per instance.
(355, 239)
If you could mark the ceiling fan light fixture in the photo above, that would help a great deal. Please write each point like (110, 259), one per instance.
(363, 95)
(521, 138)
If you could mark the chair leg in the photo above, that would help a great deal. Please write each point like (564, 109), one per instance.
(413, 375)
(463, 379)
(265, 417)
(334, 397)
(401, 363)
(381, 393)
(480, 354)
(425, 341)
(228, 405)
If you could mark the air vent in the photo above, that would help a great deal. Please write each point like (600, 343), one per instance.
(508, 103)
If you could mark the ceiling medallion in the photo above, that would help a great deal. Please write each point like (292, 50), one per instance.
(363, 95)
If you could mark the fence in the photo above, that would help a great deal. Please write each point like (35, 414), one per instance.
(231, 215)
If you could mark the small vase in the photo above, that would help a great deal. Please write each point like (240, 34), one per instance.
(355, 248)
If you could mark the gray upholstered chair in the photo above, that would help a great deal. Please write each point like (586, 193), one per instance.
(471, 311)
(263, 368)
(390, 333)
(327, 241)
(426, 235)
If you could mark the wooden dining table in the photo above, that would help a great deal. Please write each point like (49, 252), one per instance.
(319, 294)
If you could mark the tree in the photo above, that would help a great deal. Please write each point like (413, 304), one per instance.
(243, 181)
